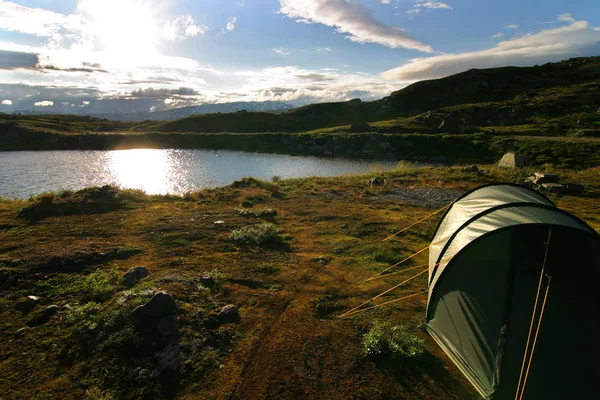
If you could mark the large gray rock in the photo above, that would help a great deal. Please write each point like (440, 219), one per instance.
(168, 359)
(134, 275)
(160, 306)
(168, 326)
(513, 160)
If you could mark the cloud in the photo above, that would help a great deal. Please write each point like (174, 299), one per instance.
(314, 77)
(512, 26)
(574, 40)
(497, 35)
(182, 27)
(281, 51)
(44, 103)
(567, 17)
(351, 18)
(161, 93)
(324, 49)
(33, 21)
(231, 23)
(7, 102)
(432, 5)
(17, 59)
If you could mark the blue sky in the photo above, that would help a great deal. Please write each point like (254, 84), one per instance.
(85, 53)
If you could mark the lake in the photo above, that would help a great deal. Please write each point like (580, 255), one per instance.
(23, 173)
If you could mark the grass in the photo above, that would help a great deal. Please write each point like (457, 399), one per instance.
(387, 340)
(289, 341)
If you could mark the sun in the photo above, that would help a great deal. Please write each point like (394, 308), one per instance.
(124, 28)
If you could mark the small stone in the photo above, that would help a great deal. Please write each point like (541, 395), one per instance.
(229, 314)
(513, 160)
(545, 177)
(219, 222)
(43, 316)
(554, 187)
(377, 182)
(27, 304)
(575, 189)
(177, 263)
(207, 280)
(134, 275)
(21, 332)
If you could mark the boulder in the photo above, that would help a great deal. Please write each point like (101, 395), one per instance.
(211, 321)
(513, 160)
(545, 177)
(229, 314)
(160, 306)
(575, 189)
(554, 187)
(470, 168)
(134, 275)
(43, 316)
(168, 359)
(168, 326)
(360, 127)
(377, 182)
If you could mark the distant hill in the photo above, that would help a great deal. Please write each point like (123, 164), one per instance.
(554, 99)
(163, 115)
(565, 94)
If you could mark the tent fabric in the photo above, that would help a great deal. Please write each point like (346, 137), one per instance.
(481, 296)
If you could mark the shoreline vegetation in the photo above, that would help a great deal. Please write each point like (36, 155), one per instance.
(232, 292)
(548, 113)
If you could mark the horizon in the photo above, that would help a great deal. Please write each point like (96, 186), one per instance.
(77, 56)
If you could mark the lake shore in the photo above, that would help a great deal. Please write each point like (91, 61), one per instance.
(71, 250)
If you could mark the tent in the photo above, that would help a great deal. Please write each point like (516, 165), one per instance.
(485, 275)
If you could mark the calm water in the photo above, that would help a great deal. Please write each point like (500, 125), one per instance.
(23, 173)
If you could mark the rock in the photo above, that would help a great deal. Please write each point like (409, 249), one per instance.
(212, 321)
(470, 168)
(4, 276)
(483, 172)
(177, 263)
(545, 177)
(360, 127)
(134, 275)
(377, 182)
(168, 326)
(229, 314)
(43, 316)
(554, 187)
(207, 281)
(20, 332)
(27, 304)
(168, 359)
(160, 306)
(513, 160)
(450, 124)
(575, 189)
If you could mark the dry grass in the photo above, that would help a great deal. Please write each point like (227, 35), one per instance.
(289, 344)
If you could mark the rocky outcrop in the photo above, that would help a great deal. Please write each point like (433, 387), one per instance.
(513, 160)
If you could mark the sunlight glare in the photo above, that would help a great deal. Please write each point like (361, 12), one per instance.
(148, 169)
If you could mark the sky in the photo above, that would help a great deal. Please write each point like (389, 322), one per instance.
(148, 55)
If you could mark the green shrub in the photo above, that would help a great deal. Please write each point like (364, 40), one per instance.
(260, 213)
(263, 234)
(392, 341)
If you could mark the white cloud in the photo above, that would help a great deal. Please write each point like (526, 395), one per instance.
(6, 102)
(44, 103)
(33, 21)
(281, 51)
(351, 18)
(497, 35)
(512, 26)
(182, 27)
(567, 17)
(231, 23)
(324, 49)
(577, 39)
(385, 1)
(85, 103)
(432, 5)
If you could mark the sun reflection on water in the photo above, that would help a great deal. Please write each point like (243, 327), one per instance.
(154, 171)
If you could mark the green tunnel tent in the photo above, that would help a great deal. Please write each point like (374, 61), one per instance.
(485, 262)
